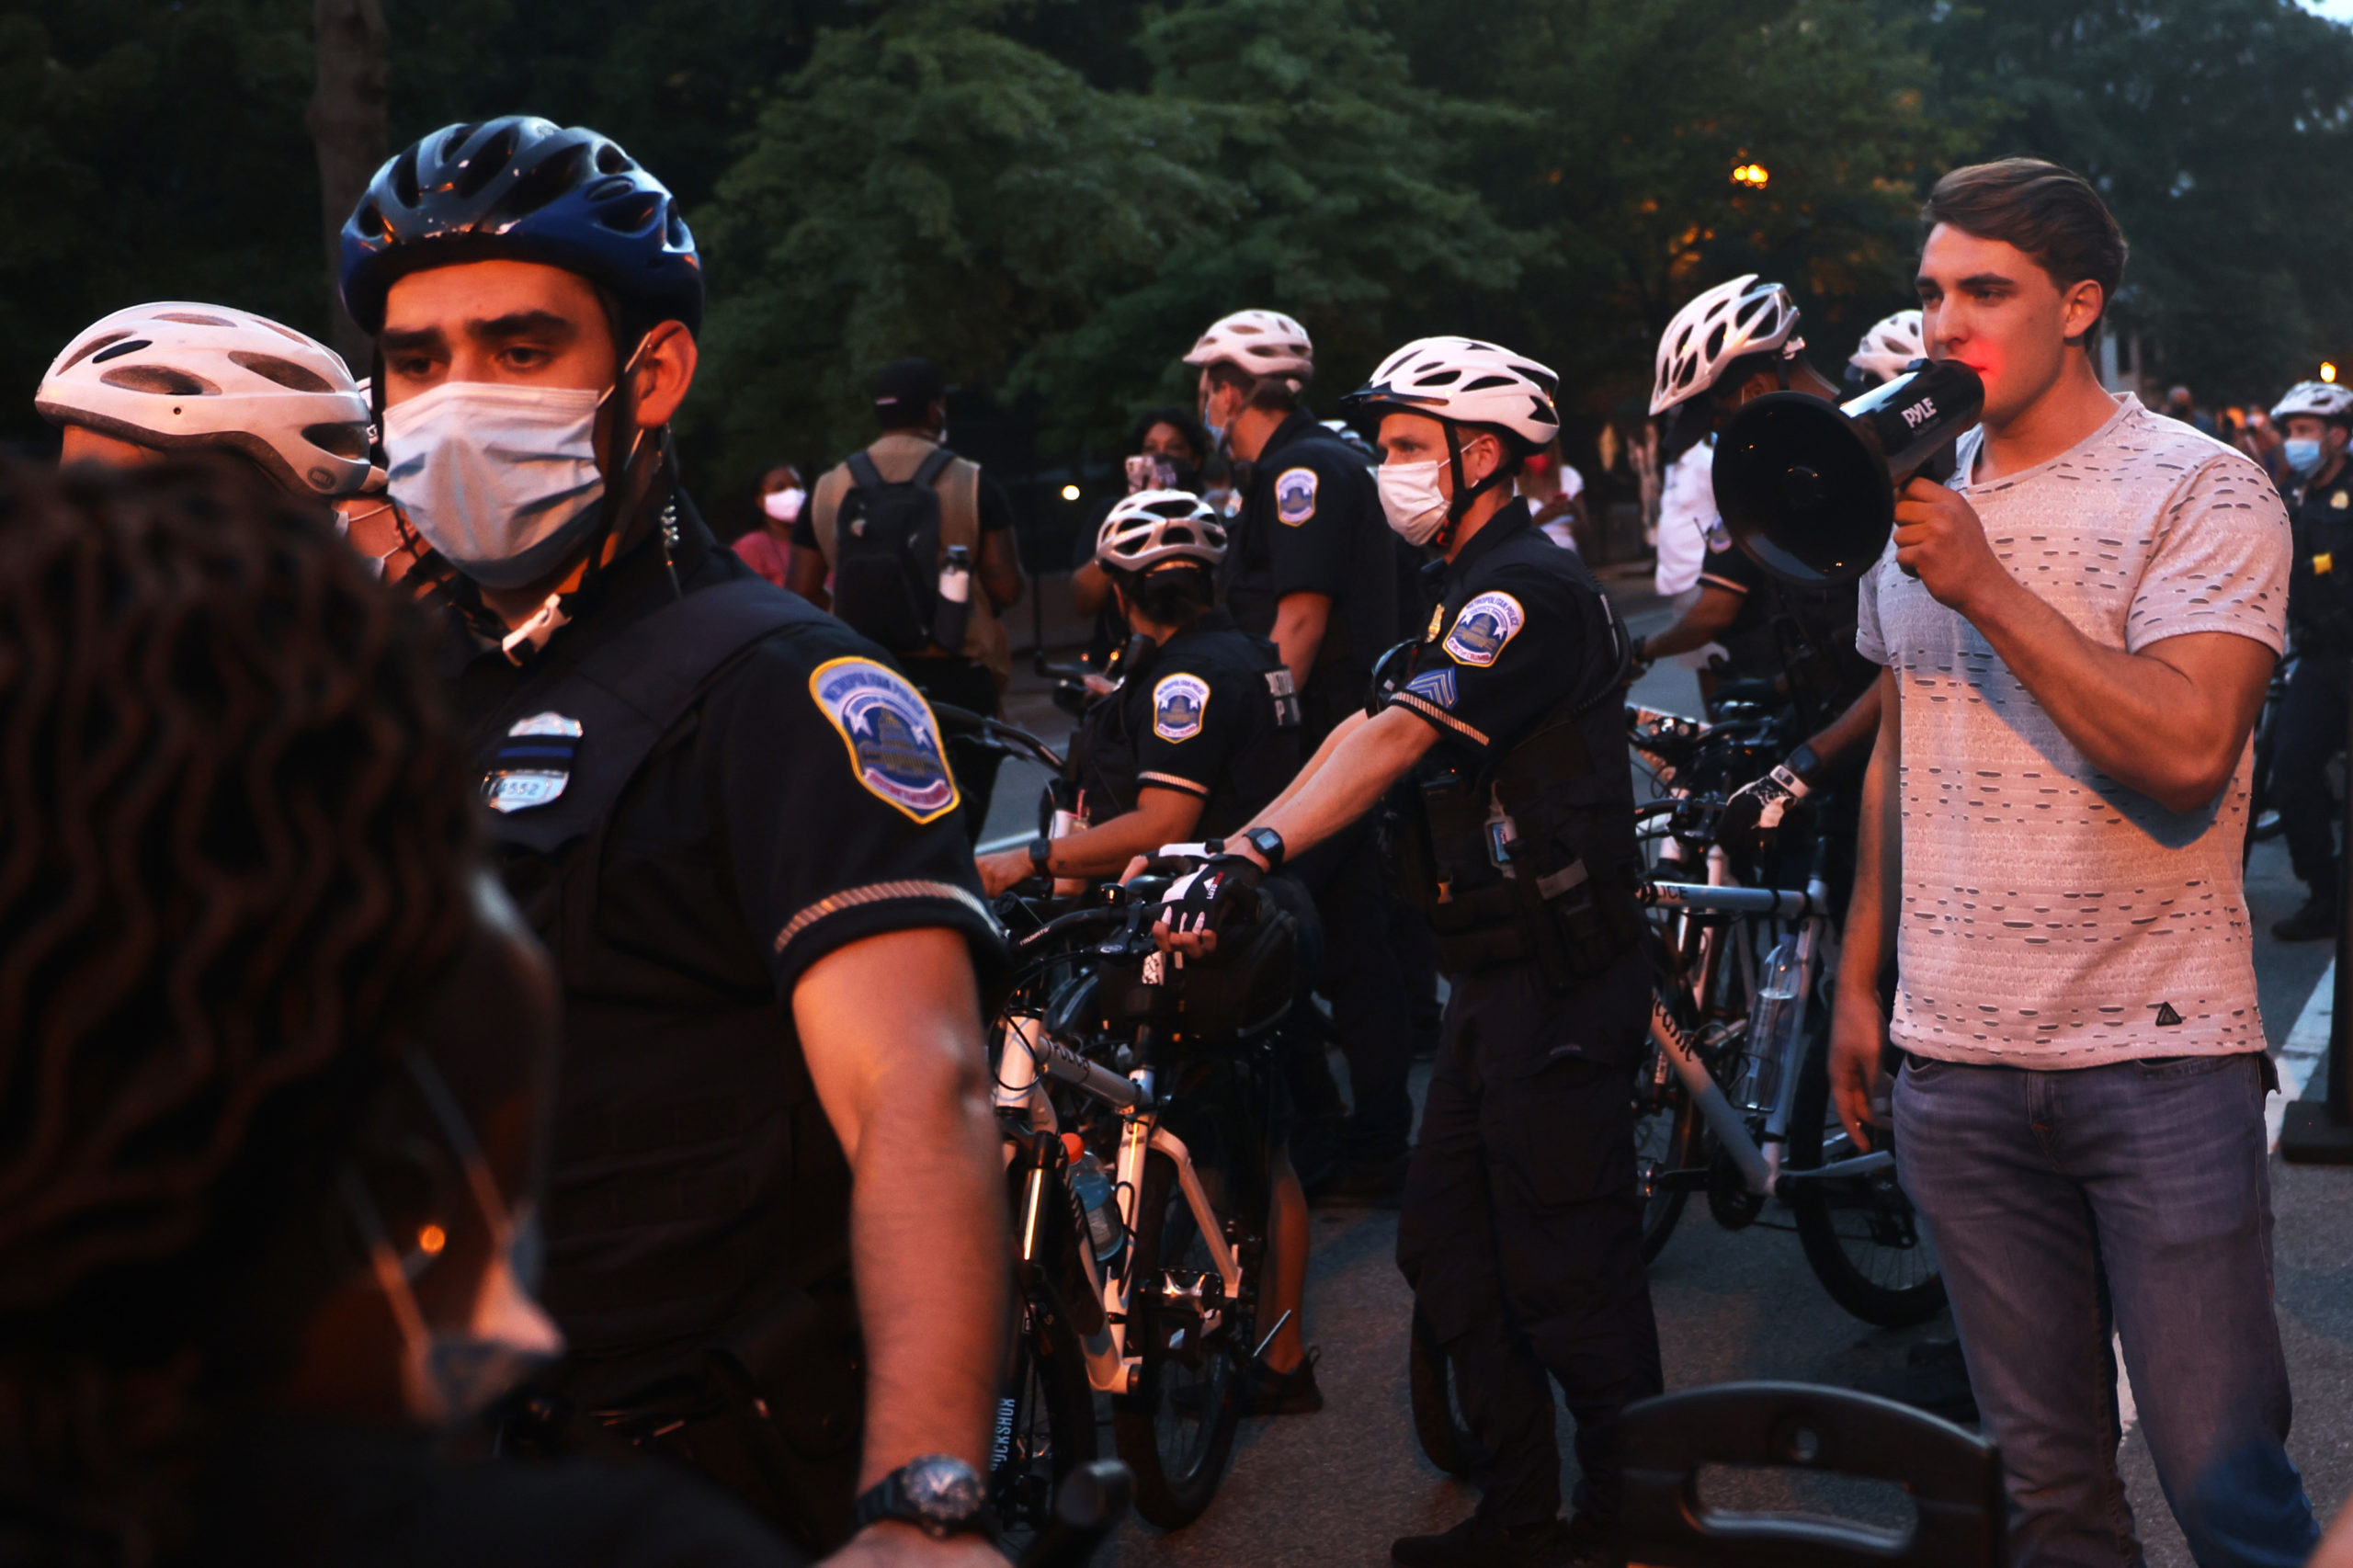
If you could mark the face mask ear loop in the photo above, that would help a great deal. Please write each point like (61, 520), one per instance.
(461, 1139)
(619, 448)
(1461, 500)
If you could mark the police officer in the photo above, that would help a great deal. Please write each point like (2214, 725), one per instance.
(1202, 732)
(2310, 728)
(733, 826)
(1312, 569)
(1522, 1232)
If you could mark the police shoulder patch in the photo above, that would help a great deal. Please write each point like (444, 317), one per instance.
(1178, 703)
(1295, 495)
(893, 741)
(1434, 686)
(1485, 626)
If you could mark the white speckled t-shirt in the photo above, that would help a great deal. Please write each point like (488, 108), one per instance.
(2051, 916)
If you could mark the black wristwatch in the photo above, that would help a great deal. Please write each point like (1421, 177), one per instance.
(1041, 853)
(1268, 842)
(938, 1494)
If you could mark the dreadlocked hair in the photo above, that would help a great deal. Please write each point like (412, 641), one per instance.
(236, 836)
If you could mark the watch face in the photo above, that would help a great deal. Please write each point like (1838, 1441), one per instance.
(944, 1489)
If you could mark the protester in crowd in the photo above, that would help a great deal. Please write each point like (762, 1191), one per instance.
(1168, 449)
(766, 547)
(1554, 492)
(2180, 406)
(280, 1049)
(970, 512)
(733, 822)
(2055, 809)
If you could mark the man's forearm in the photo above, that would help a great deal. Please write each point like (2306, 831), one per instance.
(2138, 718)
(1300, 623)
(1361, 767)
(1713, 611)
(1331, 743)
(1854, 731)
(1869, 937)
(928, 1247)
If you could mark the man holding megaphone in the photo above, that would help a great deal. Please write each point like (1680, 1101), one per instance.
(2079, 628)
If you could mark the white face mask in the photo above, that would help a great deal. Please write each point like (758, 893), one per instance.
(784, 506)
(500, 477)
(449, 1375)
(1410, 498)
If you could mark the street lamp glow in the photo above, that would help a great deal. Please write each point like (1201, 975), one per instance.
(1754, 175)
(1070, 492)
(2327, 370)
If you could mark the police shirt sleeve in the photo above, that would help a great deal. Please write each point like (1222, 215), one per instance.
(1317, 506)
(842, 817)
(1189, 738)
(1513, 650)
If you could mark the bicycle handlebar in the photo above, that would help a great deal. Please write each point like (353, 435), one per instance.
(996, 733)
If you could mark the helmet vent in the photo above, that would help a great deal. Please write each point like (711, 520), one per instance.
(490, 161)
(631, 217)
(284, 372)
(92, 347)
(161, 379)
(371, 222)
(119, 349)
(1446, 378)
(405, 178)
(454, 143)
(347, 441)
(546, 180)
(611, 160)
(675, 232)
(1485, 382)
(610, 187)
(192, 319)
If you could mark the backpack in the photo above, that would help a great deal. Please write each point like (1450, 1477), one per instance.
(886, 554)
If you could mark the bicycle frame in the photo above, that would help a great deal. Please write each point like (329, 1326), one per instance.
(1760, 1168)
(1021, 1090)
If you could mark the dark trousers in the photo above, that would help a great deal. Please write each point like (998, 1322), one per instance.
(1368, 984)
(1522, 1232)
(2308, 733)
(967, 684)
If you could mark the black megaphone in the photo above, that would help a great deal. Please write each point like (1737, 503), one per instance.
(1808, 487)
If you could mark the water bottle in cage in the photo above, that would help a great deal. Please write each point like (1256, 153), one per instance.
(1770, 1018)
(1092, 1187)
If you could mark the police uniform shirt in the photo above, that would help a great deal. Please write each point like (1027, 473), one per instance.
(1311, 524)
(799, 805)
(1520, 627)
(1199, 707)
(2320, 576)
(1819, 621)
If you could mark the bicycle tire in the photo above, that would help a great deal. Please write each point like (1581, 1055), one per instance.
(1860, 1237)
(1176, 1429)
(1667, 1138)
(1439, 1424)
(1045, 1420)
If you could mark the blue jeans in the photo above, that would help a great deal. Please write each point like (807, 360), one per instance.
(2144, 1185)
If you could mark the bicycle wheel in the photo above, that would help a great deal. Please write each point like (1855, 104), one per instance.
(1439, 1422)
(1862, 1237)
(1045, 1425)
(1175, 1431)
(1667, 1138)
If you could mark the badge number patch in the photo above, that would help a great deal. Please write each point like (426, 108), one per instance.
(1295, 495)
(1485, 629)
(1178, 704)
(534, 763)
(893, 741)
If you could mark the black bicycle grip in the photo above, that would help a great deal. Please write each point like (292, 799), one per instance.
(1092, 1501)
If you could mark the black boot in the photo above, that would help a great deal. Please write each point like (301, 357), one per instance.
(2314, 922)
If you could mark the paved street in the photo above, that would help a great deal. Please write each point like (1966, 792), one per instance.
(1335, 1488)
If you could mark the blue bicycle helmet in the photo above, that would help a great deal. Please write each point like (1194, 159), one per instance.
(523, 188)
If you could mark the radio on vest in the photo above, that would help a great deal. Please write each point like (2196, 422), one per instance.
(1808, 488)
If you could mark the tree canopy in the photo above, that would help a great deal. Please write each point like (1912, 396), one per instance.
(1052, 197)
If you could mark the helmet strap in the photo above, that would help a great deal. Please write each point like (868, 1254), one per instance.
(624, 440)
(1464, 492)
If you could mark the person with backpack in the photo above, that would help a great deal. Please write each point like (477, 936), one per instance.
(885, 527)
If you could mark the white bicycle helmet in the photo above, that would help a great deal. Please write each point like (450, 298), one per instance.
(1888, 349)
(2320, 400)
(1263, 343)
(176, 374)
(1728, 321)
(1465, 382)
(1152, 526)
